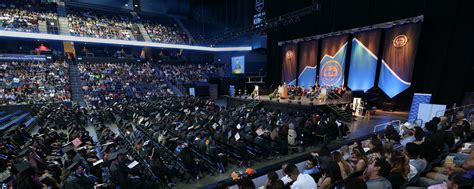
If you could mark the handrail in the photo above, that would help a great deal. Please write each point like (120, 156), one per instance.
(386, 124)
(455, 109)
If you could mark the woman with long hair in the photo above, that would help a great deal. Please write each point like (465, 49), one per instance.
(400, 169)
(344, 166)
(273, 182)
(331, 174)
(376, 149)
(359, 160)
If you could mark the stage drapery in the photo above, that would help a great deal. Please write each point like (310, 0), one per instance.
(363, 64)
(308, 58)
(331, 72)
(290, 55)
(398, 59)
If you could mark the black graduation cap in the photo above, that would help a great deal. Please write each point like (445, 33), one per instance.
(113, 156)
(74, 166)
(67, 149)
(24, 151)
(20, 167)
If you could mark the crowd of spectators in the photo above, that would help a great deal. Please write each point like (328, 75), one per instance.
(89, 24)
(33, 82)
(187, 73)
(440, 155)
(22, 20)
(205, 138)
(165, 34)
(63, 154)
(112, 81)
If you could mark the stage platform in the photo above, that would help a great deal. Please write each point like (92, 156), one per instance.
(284, 104)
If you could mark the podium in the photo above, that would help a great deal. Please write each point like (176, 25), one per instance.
(283, 92)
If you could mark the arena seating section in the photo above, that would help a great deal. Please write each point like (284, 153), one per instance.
(112, 81)
(33, 82)
(24, 18)
(188, 73)
(179, 139)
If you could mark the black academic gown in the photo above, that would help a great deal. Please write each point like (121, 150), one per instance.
(78, 182)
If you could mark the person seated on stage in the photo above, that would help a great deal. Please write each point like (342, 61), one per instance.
(313, 92)
(254, 93)
(274, 94)
(298, 91)
(310, 93)
(291, 90)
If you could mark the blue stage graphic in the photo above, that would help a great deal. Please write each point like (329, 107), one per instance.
(307, 78)
(390, 82)
(363, 67)
(418, 98)
(332, 68)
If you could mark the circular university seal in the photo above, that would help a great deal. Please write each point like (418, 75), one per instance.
(331, 73)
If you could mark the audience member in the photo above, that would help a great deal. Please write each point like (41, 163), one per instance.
(299, 180)
(354, 183)
(331, 174)
(273, 182)
(376, 175)
(359, 160)
(412, 151)
(399, 173)
(344, 166)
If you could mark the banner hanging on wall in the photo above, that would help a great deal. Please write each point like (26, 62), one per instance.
(398, 58)
(289, 59)
(334, 49)
(308, 58)
(418, 98)
(363, 64)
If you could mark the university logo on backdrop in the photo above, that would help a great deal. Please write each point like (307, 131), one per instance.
(400, 41)
(259, 5)
(332, 73)
(290, 55)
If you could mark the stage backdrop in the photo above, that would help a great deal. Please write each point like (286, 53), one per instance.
(290, 55)
(363, 64)
(398, 58)
(308, 58)
(334, 49)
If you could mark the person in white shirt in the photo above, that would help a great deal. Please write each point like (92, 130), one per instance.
(299, 180)
(286, 178)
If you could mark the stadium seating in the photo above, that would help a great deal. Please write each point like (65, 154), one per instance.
(107, 81)
(34, 82)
